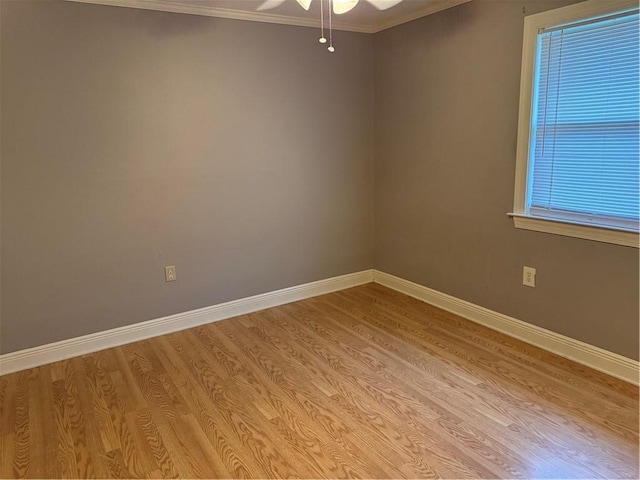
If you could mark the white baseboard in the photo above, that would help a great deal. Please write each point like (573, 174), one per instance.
(580, 352)
(53, 352)
(597, 358)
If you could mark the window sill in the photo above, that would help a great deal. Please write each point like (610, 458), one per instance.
(577, 230)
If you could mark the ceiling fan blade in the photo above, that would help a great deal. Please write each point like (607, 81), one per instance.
(384, 4)
(269, 4)
(343, 6)
(304, 4)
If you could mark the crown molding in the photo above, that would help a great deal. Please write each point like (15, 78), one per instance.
(173, 6)
(207, 11)
(432, 7)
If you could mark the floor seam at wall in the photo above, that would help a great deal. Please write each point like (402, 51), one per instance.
(594, 357)
(580, 352)
(64, 349)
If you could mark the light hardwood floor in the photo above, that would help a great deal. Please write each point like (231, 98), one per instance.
(365, 382)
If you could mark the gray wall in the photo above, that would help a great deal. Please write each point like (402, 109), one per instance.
(446, 113)
(241, 152)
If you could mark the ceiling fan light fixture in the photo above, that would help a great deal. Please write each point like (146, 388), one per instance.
(304, 4)
(343, 6)
(334, 6)
(384, 4)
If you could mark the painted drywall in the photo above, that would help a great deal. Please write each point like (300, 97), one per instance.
(446, 114)
(240, 152)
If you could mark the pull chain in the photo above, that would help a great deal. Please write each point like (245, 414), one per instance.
(322, 39)
(330, 48)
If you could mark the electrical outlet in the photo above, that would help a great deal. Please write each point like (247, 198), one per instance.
(529, 276)
(170, 273)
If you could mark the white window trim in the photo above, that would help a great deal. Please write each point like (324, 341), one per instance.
(532, 24)
(576, 230)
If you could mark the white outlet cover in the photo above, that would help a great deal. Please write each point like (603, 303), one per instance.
(170, 273)
(529, 276)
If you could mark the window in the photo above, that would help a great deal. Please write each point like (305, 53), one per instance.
(578, 158)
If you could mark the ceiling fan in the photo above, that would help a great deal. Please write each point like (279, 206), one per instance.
(339, 6)
(333, 6)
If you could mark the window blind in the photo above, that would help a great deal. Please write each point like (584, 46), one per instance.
(585, 155)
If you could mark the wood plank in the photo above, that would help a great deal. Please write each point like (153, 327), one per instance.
(361, 383)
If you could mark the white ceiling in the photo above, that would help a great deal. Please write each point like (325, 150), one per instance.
(363, 18)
